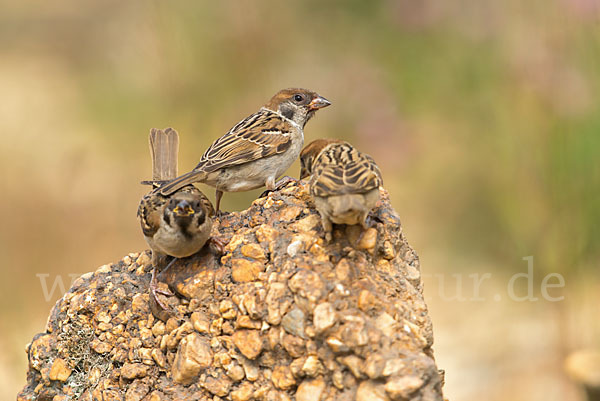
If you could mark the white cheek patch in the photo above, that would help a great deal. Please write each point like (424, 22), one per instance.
(298, 127)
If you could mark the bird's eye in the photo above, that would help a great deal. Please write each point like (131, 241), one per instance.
(298, 97)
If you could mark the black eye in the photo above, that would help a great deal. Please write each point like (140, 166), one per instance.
(298, 98)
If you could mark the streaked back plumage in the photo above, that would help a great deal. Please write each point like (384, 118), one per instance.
(340, 169)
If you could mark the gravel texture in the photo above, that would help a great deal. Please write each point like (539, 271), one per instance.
(281, 315)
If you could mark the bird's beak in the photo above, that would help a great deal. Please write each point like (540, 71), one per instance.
(183, 209)
(318, 103)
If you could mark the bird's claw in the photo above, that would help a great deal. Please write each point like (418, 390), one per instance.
(265, 193)
(284, 181)
(279, 185)
(159, 309)
(154, 291)
(221, 213)
(218, 245)
(373, 219)
(370, 222)
(166, 292)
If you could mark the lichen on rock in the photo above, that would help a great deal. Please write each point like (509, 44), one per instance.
(281, 315)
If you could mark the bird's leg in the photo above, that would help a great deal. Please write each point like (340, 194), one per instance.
(218, 196)
(327, 226)
(158, 259)
(270, 184)
(158, 308)
(276, 186)
(154, 283)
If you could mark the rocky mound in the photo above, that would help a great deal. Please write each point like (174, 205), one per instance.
(281, 315)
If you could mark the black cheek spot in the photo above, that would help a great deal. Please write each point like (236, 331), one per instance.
(287, 112)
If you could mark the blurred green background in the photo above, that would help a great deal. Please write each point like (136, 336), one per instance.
(484, 117)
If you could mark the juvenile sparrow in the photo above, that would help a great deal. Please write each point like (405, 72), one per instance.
(258, 149)
(344, 182)
(177, 225)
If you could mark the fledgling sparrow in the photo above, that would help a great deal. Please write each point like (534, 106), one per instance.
(344, 182)
(258, 149)
(176, 225)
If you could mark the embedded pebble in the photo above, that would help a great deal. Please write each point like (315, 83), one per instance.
(400, 388)
(294, 247)
(293, 322)
(60, 370)
(368, 390)
(249, 342)
(132, 371)
(282, 377)
(193, 356)
(323, 317)
(244, 270)
(310, 390)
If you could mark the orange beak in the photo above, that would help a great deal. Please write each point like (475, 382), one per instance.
(183, 209)
(318, 103)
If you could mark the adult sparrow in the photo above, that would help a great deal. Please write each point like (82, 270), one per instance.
(258, 149)
(176, 225)
(344, 182)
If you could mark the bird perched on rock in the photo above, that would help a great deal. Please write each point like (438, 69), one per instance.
(258, 149)
(177, 225)
(344, 182)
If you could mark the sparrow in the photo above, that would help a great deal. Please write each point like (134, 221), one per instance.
(258, 149)
(176, 225)
(344, 182)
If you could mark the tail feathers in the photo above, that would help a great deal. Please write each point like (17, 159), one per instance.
(164, 146)
(181, 181)
(345, 204)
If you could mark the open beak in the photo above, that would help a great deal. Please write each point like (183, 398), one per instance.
(318, 103)
(183, 209)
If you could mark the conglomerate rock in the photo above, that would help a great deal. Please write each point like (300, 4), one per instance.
(281, 315)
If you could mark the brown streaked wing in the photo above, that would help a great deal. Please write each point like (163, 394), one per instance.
(149, 212)
(260, 135)
(341, 169)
